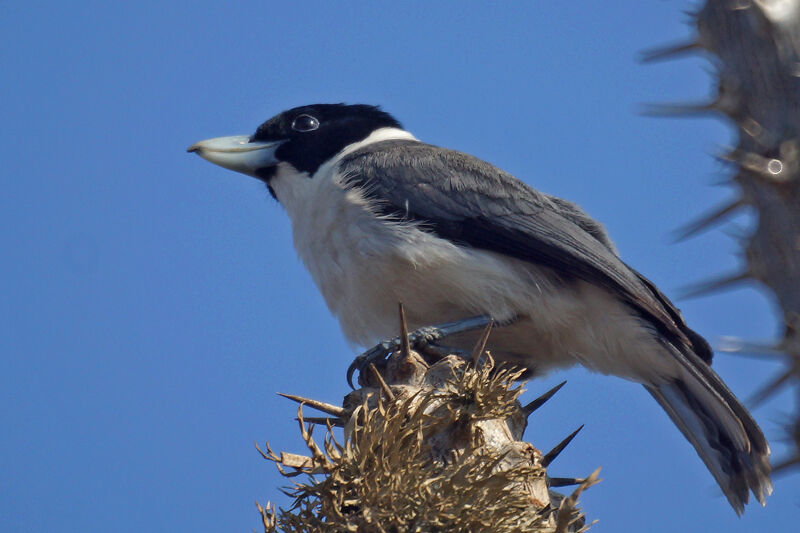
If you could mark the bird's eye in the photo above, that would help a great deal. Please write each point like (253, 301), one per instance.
(305, 123)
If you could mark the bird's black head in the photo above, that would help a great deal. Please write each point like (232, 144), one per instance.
(304, 137)
(313, 134)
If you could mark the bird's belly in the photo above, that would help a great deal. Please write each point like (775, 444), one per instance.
(365, 266)
(363, 276)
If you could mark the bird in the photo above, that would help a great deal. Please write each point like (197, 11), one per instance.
(379, 217)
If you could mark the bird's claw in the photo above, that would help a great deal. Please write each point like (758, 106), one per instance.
(417, 339)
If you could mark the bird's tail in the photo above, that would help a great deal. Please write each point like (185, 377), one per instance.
(719, 427)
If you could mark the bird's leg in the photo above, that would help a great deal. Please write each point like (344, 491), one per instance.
(421, 339)
(439, 351)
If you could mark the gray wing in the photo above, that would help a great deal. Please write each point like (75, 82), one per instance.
(575, 214)
(469, 201)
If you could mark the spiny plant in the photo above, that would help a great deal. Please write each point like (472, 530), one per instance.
(754, 47)
(426, 448)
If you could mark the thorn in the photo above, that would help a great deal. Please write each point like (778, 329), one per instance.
(704, 222)
(669, 52)
(711, 71)
(691, 14)
(564, 481)
(727, 156)
(787, 464)
(386, 390)
(710, 286)
(329, 408)
(323, 420)
(405, 345)
(547, 510)
(735, 345)
(678, 110)
(768, 390)
(790, 429)
(550, 456)
(567, 509)
(538, 402)
(721, 180)
(738, 233)
(751, 127)
(754, 163)
(480, 346)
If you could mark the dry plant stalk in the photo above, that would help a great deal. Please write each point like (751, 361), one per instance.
(426, 448)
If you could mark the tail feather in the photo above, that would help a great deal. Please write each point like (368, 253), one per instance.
(719, 427)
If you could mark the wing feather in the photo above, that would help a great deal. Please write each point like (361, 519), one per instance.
(469, 201)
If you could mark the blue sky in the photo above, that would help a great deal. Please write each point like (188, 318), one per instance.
(153, 303)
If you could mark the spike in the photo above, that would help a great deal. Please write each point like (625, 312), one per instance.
(719, 178)
(706, 287)
(480, 346)
(550, 456)
(405, 345)
(751, 127)
(759, 165)
(723, 181)
(744, 159)
(678, 110)
(793, 438)
(768, 390)
(323, 420)
(565, 515)
(727, 157)
(704, 222)
(738, 233)
(691, 14)
(331, 409)
(538, 402)
(735, 345)
(564, 481)
(787, 464)
(386, 390)
(547, 510)
(669, 52)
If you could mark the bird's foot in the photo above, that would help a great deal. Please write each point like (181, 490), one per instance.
(423, 339)
(417, 340)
